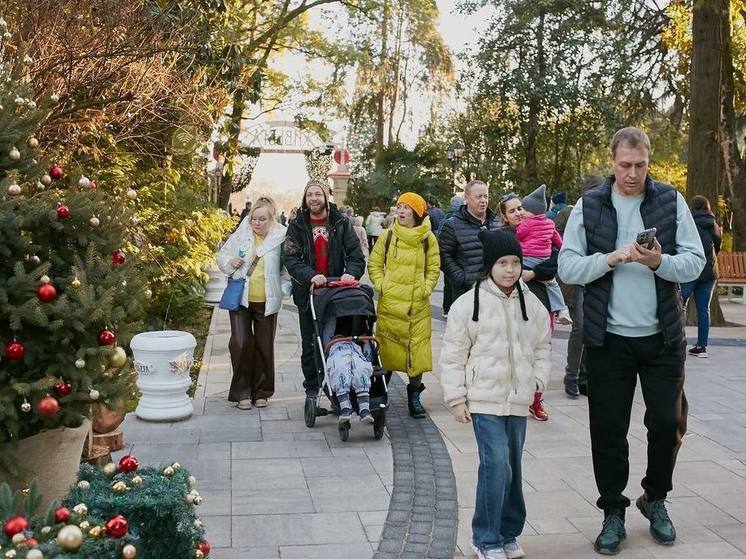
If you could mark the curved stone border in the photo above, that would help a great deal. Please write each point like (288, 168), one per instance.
(422, 521)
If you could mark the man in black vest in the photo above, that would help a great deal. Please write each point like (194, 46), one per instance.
(634, 326)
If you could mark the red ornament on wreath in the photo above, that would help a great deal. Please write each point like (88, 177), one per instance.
(204, 547)
(46, 293)
(62, 515)
(63, 212)
(116, 526)
(92, 185)
(29, 542)
(15, 525)
(48, 406)
(118, 258)
(128, 464)
(106, 337)
(56, 172)
(15, 350)
(63, 388)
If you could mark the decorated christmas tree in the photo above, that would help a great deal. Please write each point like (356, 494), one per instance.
(70, 297)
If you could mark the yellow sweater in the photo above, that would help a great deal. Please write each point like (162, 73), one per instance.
(256, 280)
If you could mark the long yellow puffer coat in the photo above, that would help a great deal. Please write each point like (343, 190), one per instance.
(404, 287)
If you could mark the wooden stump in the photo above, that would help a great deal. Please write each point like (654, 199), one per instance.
(97, 456)
(113, 440)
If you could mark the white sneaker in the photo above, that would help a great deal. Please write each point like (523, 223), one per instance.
(489, 553)
(513, 551)
(563, 317)
(244, 405)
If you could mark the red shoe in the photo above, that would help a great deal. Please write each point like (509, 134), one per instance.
(537, 408)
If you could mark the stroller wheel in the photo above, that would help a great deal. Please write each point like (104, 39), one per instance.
(378, 424)
(309, 412)
(344, 431)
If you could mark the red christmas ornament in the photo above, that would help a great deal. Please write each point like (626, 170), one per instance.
(106, 337)
(204, 547)
(15, 525)
(63, 212)
(46, 293)
(63, 389)
(56, 172)
(116, 526)
(15, 350)
(30, 542)
(92, 185)
(48, 406)
(128, 464)
(118, 258)
(62, 515)
(341, 156)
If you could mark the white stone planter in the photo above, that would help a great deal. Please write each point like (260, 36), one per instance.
(162, 360)
(215, 285)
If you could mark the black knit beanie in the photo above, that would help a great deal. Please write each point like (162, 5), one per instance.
(495, 245)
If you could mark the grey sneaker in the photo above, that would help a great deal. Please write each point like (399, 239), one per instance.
(513, 551)
(609, 541)
(345, 416)
(366, 416)
(661, 527)
(497, 553)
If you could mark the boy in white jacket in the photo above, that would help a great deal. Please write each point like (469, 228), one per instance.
(496, 353)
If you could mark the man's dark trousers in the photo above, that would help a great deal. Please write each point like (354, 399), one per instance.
(308, 347)
(612, 375)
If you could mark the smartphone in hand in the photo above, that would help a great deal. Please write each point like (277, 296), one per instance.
(646, 238)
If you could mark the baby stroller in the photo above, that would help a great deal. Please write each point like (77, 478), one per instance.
(339, 300)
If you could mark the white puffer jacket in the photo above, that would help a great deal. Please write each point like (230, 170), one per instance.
(495, 365)
(277, 283)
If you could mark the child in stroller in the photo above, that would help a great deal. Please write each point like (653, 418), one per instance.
(348, 368)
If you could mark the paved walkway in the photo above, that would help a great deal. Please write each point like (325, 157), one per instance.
(273, 488)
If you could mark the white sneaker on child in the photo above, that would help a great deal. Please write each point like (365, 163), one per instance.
(563, 317)
(345, 416)
(366, 416)
(497, 553)
(513, 551)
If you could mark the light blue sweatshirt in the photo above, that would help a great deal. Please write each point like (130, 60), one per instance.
(633, 304)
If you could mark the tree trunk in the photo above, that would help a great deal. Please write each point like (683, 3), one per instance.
(703, 171)
(717, 318)
(226, 184)
(734, 175)
(382, 76)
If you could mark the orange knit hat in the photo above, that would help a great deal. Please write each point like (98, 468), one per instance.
(414, 201)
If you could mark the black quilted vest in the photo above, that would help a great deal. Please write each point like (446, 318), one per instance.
(658, 210)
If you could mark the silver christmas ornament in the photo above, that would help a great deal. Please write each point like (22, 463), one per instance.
(94, 221)
(14, 154)
(80, 363)
(14, 190)
(83, 182)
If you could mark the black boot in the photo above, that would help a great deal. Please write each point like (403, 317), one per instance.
(413, 401)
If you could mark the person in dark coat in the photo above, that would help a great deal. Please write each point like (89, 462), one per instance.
(436, 214)
(701, 288)
(320, 243)
(460, 247)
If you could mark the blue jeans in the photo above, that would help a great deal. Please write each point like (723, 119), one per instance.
(500, 512)
(702, 291)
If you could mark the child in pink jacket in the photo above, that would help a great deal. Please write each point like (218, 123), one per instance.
(537, 236)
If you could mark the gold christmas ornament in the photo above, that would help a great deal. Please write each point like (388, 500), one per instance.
(75, 284)
(26, 491)
(192, 481)
(33, 143)
(81, 508)
(198, 500)
(14, 154)
(168, 471)
(18, 538)
(70, 537)
(129, 551)
(118, 358)
(31, 104)
(119, 487)
(94, 394)
(10, 554)
(131, 192)
(198, 523)
(44, 279)
(34, 554)
(83, 484)
(189, 498)
(198, 554)
(109, 469)
(176, 466)
(14, 190)
(54, 98)
(95, 532)
(20, 101)
(27, 59)
(85, 525)
(46, 180)
(148, 293)
(46, 530)
(94, 221)
(137, 480)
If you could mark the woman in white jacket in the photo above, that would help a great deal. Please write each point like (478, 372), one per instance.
(254, 251)
(495, 354)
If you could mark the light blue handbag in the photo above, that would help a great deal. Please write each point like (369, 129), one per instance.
(231, 299)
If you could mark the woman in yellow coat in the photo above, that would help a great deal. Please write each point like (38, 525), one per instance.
(404, 268)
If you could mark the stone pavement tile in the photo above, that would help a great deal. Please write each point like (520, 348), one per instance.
(274, 501)
(343, 466)
(736, 466)
(373, 531)
(274, 412)
(721, 550)
(705, 471)
(279, 449)
(245, 553)
(696, 511)
(553, 526)
(297, 529)
(575, 546)
(368, 518)
(217, 530)
(267, 474)
(559, 449)
(734, 534)
(726, 496)
(557, 504)
(215, 502)
(342, 493)
(333, 551)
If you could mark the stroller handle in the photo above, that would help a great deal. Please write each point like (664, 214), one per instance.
(328, 280)
(334, 341)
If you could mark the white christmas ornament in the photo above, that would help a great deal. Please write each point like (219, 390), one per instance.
(46, 180)
(80, 363)
(132, 194)
(94, 221)
(54, 98)
(14, 154)
(31, 104)
(40, 186)
(27, 59)
(14, 190)
(44, 279)
(83, 182)
(93, 394)
(7, 36)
